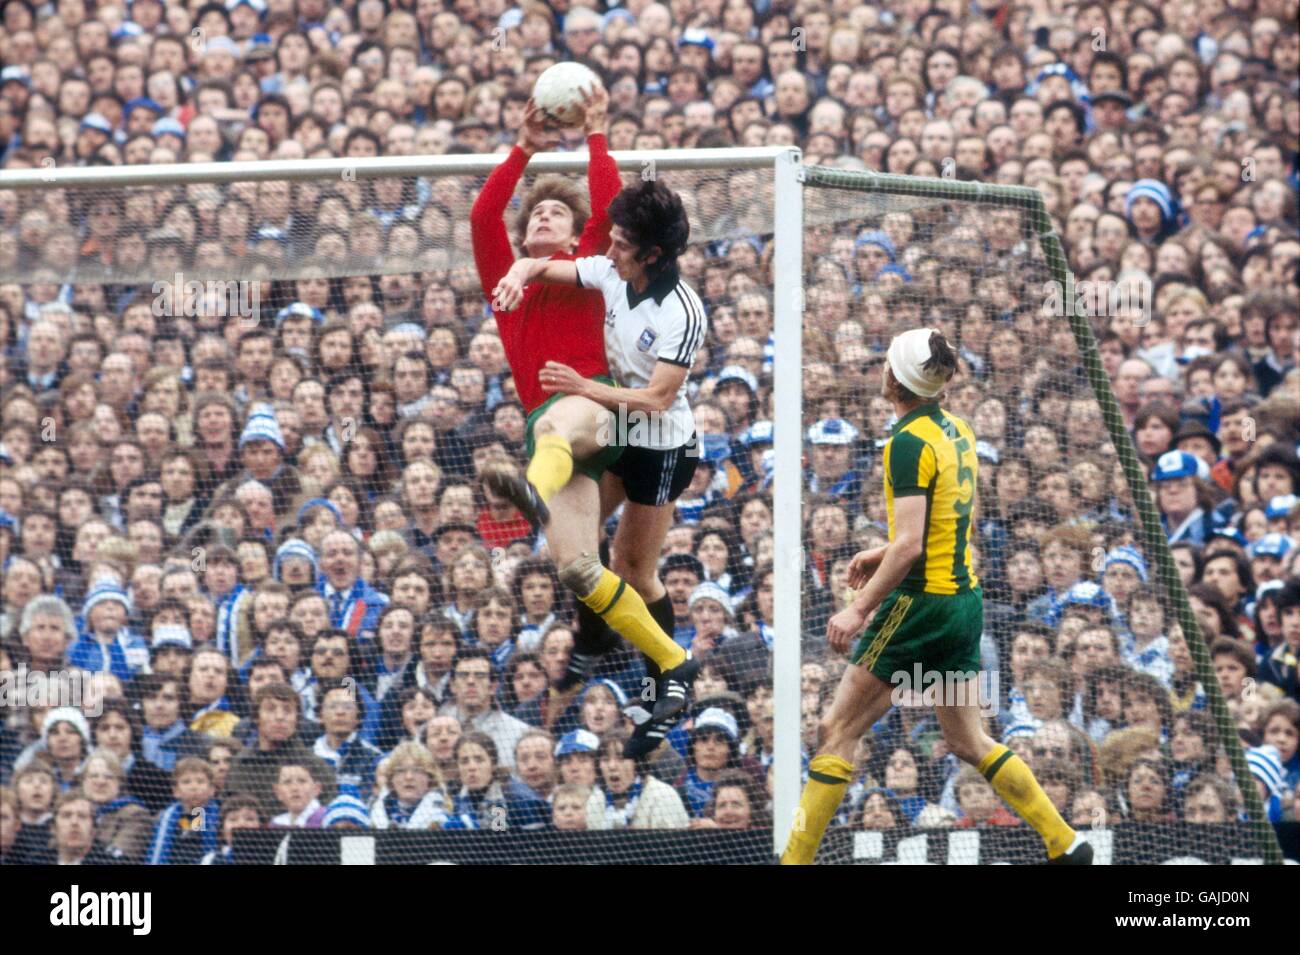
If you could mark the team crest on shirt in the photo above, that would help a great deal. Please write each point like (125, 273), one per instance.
(609, 318)
(646, 340)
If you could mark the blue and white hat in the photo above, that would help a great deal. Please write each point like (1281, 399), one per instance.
(346, 808)
(1173, 465)
(1078, 88)
(716, 718)
(620, 697)
(257, 6)
(737, 373)
(172, 635)
(142, 102)
(694, 36)
(1265, 764)
(577, 741)
(410, 328)
(757, 435)
(16, 74)
(1266, 588)
(1271, 545)
(1127, 555)
(876, 237)
(127, 28)
(1229, 533)
(832, 431)
(259, 46)
(295, 547)
(103, 592)
(1157, 192)
(268, 233)
(320, 502)
(98, 122)
(168, 127)
(711, 591)
(1018, 730)
(262, 426)
(299, 309)
(1087, 594)
(1280, 506)
(616, 13)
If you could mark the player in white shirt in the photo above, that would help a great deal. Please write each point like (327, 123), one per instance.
(654, 323)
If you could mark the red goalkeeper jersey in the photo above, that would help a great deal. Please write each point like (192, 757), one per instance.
(554, 322)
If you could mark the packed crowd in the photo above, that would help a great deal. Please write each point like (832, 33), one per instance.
(251, 578)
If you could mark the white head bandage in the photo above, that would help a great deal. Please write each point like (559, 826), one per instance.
(908, 354)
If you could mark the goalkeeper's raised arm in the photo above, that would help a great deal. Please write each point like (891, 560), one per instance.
(493, 253)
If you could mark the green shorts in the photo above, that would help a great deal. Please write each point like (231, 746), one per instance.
(596, 465)
(941, 632)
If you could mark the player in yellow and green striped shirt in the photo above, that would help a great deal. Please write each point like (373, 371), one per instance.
(921, 604)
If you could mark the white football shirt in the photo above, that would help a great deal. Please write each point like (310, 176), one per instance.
(665, 323)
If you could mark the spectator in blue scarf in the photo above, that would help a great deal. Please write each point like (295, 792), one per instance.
(165, 737)
(188, 828)
(481, 802)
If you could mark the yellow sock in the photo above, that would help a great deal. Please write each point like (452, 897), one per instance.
(1015, 783)
(625, 611)
(828, 777)
(551, 466)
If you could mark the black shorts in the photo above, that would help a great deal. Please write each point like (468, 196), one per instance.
(654, 478)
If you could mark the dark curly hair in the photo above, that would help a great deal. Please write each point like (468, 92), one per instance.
(653, 217)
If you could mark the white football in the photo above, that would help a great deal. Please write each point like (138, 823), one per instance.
(558, 91)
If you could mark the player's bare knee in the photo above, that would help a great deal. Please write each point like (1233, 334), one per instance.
(545, 425)
(582, 574)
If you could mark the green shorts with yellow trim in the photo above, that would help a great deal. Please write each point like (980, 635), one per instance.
(593, 467)
(941, 632)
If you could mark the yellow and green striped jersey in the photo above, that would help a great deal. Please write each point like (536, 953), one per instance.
(932, 452)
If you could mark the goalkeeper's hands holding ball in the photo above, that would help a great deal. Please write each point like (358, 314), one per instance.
(595, 105)
(535, 134)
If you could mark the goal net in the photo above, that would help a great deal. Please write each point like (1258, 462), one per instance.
(345, 297)
(1093, 667)
(335, 309)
